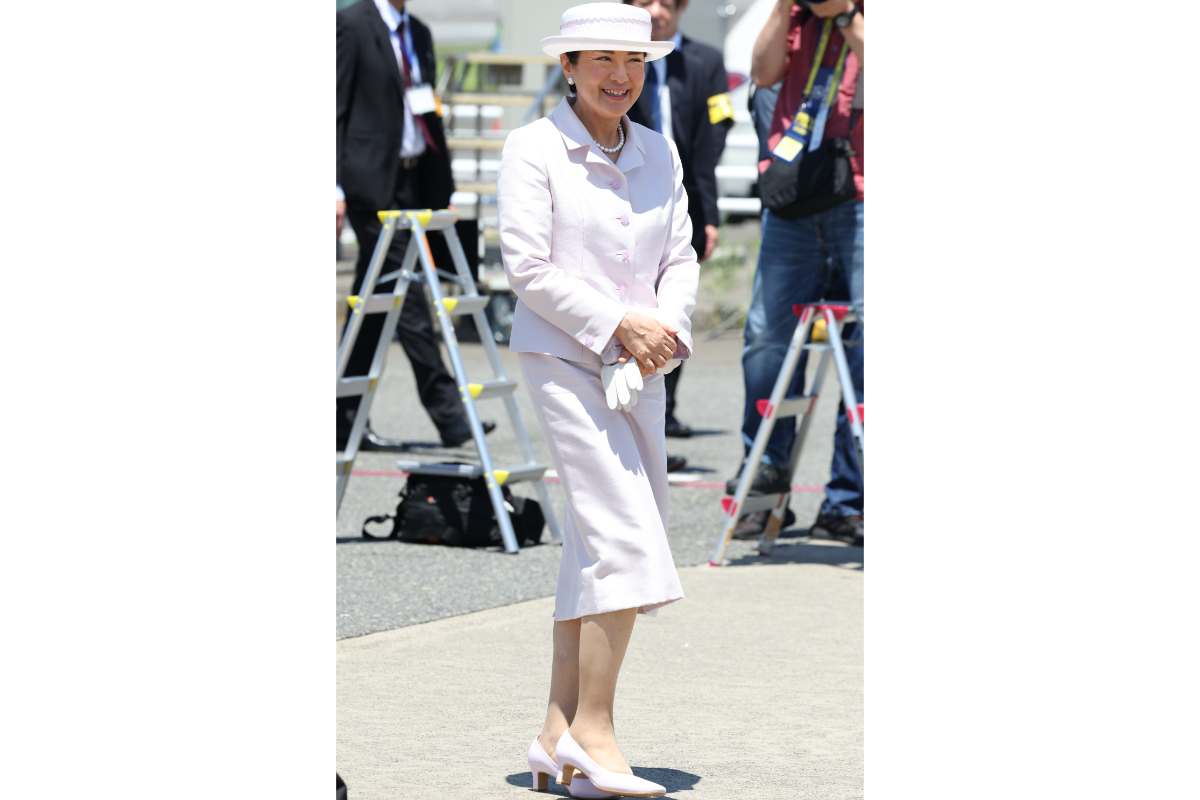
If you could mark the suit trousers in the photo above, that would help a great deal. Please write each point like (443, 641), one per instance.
(436, 388)
(670, 381)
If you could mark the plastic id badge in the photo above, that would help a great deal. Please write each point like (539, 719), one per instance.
(788, 148)
(796, 137)
(420, 99)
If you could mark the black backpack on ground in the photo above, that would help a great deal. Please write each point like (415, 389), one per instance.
(457, 511)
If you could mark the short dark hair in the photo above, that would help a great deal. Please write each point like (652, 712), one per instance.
(573, 57)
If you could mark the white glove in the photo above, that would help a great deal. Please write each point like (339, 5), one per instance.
(621, 384)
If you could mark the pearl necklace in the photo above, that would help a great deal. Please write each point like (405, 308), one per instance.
(620, 144)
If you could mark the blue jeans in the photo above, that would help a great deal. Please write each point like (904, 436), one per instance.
(796, 262)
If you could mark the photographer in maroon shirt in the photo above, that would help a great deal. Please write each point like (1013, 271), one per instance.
(796, 255)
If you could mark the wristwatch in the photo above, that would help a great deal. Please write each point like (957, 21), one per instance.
(843, 20)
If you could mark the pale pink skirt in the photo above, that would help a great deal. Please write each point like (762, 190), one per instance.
(613, 468)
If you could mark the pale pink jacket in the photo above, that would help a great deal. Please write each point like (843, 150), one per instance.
(584, 240)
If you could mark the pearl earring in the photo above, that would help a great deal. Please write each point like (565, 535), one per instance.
(570, 80)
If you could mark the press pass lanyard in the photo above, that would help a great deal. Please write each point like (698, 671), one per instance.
(808, 128)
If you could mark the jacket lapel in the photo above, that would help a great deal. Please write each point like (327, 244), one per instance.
(573, 133)
(421, 48)
(677, 79)
(631, 153)
(383, 40)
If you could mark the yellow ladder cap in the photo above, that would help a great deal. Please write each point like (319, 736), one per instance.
(820, 333)
(353, 300)
(475, 389)
(449, 303)
(422, 217)
(501, 475)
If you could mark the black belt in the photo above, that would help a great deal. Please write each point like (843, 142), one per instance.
(409, 163)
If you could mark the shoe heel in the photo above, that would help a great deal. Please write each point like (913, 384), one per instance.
(568, 773)
(541, 781)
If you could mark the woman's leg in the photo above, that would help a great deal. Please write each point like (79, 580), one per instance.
(602, 642)
(564, 684)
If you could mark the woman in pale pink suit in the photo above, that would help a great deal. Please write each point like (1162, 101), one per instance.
(597, 246)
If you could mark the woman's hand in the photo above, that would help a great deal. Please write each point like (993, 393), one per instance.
(626, 356)
(650, 342)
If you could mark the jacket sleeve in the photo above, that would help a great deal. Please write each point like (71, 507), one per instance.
(718, 84)
(347, 56)
(678, 271)
(711, 137)
(526, 210)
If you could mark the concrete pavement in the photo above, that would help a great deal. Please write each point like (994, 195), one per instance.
(750, 687)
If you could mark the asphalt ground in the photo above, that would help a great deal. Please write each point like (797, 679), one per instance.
(749, 687)
(383, 585)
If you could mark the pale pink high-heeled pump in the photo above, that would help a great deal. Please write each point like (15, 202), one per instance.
(574, 760)
(542, 766)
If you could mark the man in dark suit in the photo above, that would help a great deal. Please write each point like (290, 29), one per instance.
(686, 98)
(391, 153)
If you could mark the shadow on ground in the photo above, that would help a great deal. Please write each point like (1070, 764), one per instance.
(672, 780)
(795, 547)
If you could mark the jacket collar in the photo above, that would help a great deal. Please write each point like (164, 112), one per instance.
(575, 136)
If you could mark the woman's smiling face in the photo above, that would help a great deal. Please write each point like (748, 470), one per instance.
(607, 83)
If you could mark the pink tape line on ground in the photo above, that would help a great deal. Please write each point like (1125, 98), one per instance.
(691, 484)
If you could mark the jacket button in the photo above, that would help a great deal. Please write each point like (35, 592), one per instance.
(625, 220)
(621, 291)
(616, 184)
(589, 341)
(624, 255)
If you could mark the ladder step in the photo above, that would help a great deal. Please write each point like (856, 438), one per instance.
(425, 468)
(839, 310)
(343, 465)
(430, 220)
(790, 407)
(522, 472)
(355, 387)
(764, 502)
(464, 305)
(479, 391)
(377, 303)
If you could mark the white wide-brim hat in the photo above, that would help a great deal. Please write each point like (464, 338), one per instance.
(605, 26)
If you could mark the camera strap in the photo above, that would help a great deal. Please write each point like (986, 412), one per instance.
(808, 126)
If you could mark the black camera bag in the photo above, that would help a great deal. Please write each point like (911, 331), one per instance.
(813, 183)
(457, 511)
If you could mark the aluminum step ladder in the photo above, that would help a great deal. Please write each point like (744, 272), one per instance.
(470, 302)
(779, 406)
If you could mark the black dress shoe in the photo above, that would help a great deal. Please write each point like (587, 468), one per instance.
(459, 432)
(767, 480)
(676, 463)
(373, 441)
(677, 429)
